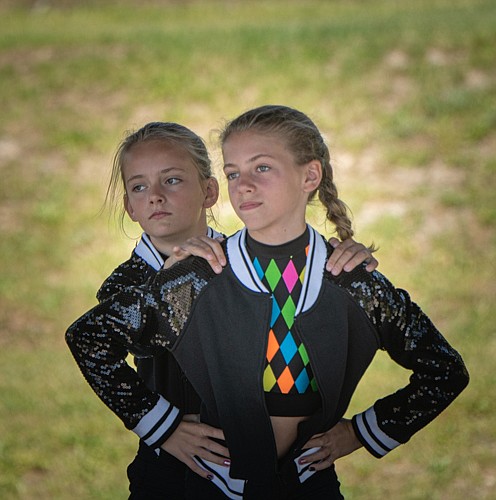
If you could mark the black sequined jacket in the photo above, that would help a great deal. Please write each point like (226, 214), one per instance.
(160, 371)
(216, 326)
(157, 369)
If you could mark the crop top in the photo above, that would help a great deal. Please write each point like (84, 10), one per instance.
(288, 380)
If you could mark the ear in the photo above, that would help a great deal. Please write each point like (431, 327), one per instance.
(128, 207)
(211, 193)
(313, 176)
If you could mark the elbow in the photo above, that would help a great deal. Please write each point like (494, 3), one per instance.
(462, 377)
(465, 377)
(71, 336)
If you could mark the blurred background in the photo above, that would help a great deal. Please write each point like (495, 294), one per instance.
(405, 93)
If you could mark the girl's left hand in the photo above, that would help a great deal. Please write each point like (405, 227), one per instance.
(337, 442)
(347, 255)
(200, 246)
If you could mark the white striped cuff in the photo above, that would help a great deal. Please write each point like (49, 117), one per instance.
(157, 422)
(374, 439)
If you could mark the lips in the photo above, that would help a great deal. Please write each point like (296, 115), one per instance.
(159, 214)
(249, 205)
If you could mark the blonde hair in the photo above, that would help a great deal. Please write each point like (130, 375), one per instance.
(168, 133)
(304, 140)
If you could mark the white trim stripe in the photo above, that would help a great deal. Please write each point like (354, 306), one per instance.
(149, 253)
(156, 422)
(232, 488)
(380, 442)
(146, 250)
(244, 270)
(212, 233)
(304, 471)
(312, 283)
(241, 263)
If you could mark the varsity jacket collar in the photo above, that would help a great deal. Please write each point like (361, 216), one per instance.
(244, 270)
(151, 255)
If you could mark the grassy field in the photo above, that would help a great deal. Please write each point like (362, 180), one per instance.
(406, 95)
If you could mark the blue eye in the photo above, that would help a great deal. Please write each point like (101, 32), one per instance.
(232, 176)
(138, 188)
(173, 181)
(263, 168)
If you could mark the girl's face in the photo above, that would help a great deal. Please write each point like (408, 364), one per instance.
(165, 195)
(268, 190)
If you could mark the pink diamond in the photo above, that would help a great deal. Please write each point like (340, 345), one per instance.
(290, 276)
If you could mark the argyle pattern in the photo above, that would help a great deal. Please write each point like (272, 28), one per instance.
(287, 369)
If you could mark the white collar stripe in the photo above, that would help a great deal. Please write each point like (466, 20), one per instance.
(149, 253)
(314, 273)
(245, 271)
(212, 233)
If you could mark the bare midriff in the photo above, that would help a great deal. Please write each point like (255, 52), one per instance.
(285, 430)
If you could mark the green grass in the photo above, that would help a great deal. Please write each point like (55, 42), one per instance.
(405, 93)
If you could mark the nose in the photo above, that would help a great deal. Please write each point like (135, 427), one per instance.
(156, 194)
(245, 183)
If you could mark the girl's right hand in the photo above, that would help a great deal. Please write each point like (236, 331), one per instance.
(192, 439)
(200, 246)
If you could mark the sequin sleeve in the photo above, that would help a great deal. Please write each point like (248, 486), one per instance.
(412, 341)
(102, 338)
(134, 272)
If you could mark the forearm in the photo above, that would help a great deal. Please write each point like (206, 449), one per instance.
(438, 377)
(100, 342)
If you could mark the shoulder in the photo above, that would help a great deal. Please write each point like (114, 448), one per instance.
(133, 272)
(371, 291)
(192, 272)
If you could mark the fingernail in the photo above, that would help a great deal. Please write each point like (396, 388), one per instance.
(227, 462)
(302, 461)
(210, 477)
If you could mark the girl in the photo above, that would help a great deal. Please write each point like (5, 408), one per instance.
(284, 382)
(164, 172)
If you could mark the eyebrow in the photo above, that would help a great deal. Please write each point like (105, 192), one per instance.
(251, 160)
(163, 171)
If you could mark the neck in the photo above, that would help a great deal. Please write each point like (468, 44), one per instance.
(165, 245)
(279, 236)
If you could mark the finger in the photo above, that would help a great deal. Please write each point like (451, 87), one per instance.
(316, 441)
(217, 448)
(372, 265)
(209, 250)
(323, 464)
(198, 247)
(316, 456)
(212, 457)
(198, 470)
(339, 249)
(210, 432)
(351, 258)
(354, 257)
(217, 250)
